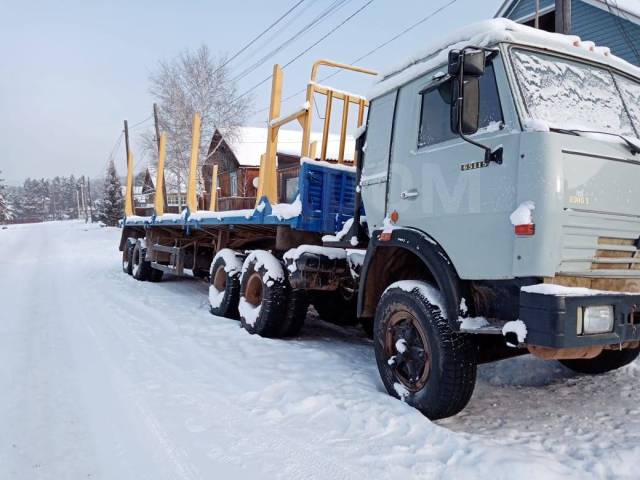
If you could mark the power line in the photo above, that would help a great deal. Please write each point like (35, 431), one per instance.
(255, 39)
(334, 7)
(306, 49)
(371, 52)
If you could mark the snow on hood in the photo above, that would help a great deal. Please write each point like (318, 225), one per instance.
(484, 34)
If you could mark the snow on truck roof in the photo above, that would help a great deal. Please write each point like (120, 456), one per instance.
(487, 33)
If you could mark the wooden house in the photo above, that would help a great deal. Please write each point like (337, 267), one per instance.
(238, 160)
(611, 23)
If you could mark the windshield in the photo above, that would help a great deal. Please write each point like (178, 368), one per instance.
(569, 94)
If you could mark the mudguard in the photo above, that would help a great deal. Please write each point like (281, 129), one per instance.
(433, 257)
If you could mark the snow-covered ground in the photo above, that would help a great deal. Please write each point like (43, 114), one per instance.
(105, 377)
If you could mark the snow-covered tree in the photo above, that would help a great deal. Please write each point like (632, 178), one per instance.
(194, 81)
(111, 208)
(6, 209)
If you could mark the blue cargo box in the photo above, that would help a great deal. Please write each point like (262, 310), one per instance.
(325, 200)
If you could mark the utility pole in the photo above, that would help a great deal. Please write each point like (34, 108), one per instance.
(126, 138)
(84, 203)
(563, 16)
(537, 20)
(78, 202)
(90, 202)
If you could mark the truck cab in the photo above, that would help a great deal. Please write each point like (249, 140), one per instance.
(502, 198)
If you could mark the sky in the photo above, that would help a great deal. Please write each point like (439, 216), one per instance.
(71, 71)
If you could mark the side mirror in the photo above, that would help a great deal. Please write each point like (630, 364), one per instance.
(474, 61)
(465, 108)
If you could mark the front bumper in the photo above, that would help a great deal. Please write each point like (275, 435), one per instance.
(552, 320)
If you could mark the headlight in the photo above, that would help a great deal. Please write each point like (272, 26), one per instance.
(592, 320)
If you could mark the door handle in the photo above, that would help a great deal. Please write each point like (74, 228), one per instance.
(408, 194)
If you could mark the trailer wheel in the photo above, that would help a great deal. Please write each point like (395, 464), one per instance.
(420, 358)
(607, 361)
(141, 269)
(297, 308)
(224, 284)
(263, 294)
(127, 253)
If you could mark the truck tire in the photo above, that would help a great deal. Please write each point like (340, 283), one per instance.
(141, 269)
(297, 308)
(334, 307)
(224, 284)
(607, 361)
(420, 358)
(263, 294)
(127, 253)
(155, 275)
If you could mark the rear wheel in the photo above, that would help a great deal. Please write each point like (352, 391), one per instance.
(127, 253)
(141, 268)
(337, 307)
(297, 308)
(607, 361)
(263, 295)
(224, 284)
(420, 358)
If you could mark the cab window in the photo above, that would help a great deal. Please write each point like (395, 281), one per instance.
(435, 116)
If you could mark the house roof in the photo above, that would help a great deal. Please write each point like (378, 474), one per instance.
(629, 9)
(251, 142)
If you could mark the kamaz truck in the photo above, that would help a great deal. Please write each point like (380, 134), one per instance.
(492, 210)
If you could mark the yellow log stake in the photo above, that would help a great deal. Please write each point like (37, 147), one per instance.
(159, 196)
(192, 195)
(343, 129)
(213, 205)
(268, 180)
(128, 201)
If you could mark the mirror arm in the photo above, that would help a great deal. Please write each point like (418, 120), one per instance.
(490, 155)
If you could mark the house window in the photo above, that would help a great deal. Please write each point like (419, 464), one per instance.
(233, 179)
(435, 117)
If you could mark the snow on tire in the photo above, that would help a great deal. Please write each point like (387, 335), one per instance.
(127, 254)
(141, 269)
(224, 283)
(420, 358)
(263, 294)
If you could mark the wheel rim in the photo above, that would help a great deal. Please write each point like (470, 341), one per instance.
(220, 279)
(408, 350)
(253, 290)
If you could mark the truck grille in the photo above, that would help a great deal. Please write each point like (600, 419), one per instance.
(600, 245)
(616, 254)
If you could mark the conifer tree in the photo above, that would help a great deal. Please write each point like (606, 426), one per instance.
(111, 208)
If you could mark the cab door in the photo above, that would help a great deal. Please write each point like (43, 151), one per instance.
(375, 167)
(441, 185)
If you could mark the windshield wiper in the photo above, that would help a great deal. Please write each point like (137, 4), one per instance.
(633, 147)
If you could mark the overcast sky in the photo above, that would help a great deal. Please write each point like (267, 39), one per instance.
(71, 71)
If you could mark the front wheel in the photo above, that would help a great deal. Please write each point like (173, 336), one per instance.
(420, 358)
(607, 361)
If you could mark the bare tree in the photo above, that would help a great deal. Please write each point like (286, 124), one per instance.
(192, 82)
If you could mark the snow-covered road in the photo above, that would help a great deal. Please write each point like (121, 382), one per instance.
(105, 377)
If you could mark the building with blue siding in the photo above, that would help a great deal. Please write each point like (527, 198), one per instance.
(611, 23)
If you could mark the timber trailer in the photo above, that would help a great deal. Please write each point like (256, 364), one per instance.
(493, 210)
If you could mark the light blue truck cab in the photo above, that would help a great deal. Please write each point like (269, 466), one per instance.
(526, 226)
